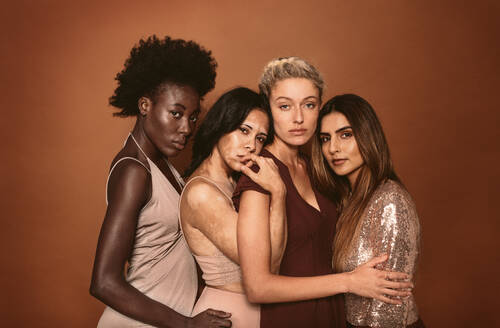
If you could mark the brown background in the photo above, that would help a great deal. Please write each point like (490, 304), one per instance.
(430, 69)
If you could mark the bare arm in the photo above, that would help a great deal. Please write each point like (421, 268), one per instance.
(129, 190)
(206, 208)
(269, 178)
(262, 286)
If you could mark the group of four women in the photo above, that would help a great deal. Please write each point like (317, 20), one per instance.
(279, 237)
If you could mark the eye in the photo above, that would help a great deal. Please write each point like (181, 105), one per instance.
(177, 115)
(193, 118)
(324, 139)
(310, 105)
(261, 139)
(244, 130)
(346, 135)
(284, 107)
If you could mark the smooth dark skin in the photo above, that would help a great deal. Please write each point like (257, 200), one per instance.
(161, 128)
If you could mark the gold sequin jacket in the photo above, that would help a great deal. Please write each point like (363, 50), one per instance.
(389, 226)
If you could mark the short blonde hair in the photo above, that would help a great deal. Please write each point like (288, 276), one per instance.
(289, 67)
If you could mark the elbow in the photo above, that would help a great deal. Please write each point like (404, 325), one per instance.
(96, 289)
(256, 291)
(254, 295)
(100, 288)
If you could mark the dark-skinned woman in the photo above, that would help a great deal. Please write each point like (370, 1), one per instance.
(161, 84)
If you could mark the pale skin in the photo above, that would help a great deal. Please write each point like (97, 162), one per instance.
(295, 105)
(207, 215)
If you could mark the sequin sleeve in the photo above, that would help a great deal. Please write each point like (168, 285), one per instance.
(390, 226)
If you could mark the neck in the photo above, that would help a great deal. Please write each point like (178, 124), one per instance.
(145, 142)
(215, 168)
(286, 153)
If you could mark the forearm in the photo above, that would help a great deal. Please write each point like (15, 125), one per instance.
(271, 288)
(277, 229)
(124, 298)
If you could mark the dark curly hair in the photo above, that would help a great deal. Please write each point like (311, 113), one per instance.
(154, 62)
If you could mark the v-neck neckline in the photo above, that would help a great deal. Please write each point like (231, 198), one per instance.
(295, 188)
(170, 167)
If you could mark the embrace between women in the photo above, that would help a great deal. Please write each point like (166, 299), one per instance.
(281, 239)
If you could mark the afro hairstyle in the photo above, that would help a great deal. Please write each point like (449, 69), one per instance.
(154, 62)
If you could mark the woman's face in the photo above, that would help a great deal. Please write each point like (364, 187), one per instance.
(295, 106)
(249, 138)
(339, 146)
(170, 120)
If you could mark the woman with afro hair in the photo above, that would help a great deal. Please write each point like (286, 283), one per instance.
(161, 84)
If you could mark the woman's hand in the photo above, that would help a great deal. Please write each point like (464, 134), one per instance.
(268, 176)
(210, 319)
(367, 281)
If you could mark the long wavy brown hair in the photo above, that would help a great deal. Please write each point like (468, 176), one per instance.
(377, 168)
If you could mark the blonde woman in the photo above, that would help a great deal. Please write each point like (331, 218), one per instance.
(293, 90)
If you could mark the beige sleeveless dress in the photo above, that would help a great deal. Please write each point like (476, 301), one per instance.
(161, 265)
(218, 270)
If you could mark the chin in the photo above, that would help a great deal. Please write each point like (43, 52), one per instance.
(170, 152)
(298, 141)
(236, 167)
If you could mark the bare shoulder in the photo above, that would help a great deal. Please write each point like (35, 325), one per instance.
(127, 170)
(129, 186)
(200, 193)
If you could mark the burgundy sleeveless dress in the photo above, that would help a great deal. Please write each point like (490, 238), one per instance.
(308, 253)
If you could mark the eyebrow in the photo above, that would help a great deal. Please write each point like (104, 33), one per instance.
(248, 126)
(343, 129)
(287, 98)
(179, 105)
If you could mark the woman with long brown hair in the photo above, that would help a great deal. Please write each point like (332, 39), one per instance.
(352, 165)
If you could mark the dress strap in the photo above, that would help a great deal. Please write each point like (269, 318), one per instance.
(212, 183)
(113, 167)
(176, 174)
(137, 144)
(209, 181)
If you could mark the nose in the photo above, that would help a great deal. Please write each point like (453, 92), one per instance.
(334, 146)
(298, 116)
(186, 126)
(251, 146)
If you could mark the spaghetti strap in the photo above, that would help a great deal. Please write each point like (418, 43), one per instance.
(113, 167)
(209, 181)
(174, 172)
(137, 144)
(212, 183)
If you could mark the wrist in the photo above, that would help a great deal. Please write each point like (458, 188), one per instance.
(279, 191)
(347, 280)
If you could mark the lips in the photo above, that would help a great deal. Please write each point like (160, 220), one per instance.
(179, 144)
(339, 161)
(243, 159)
(298, 132)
